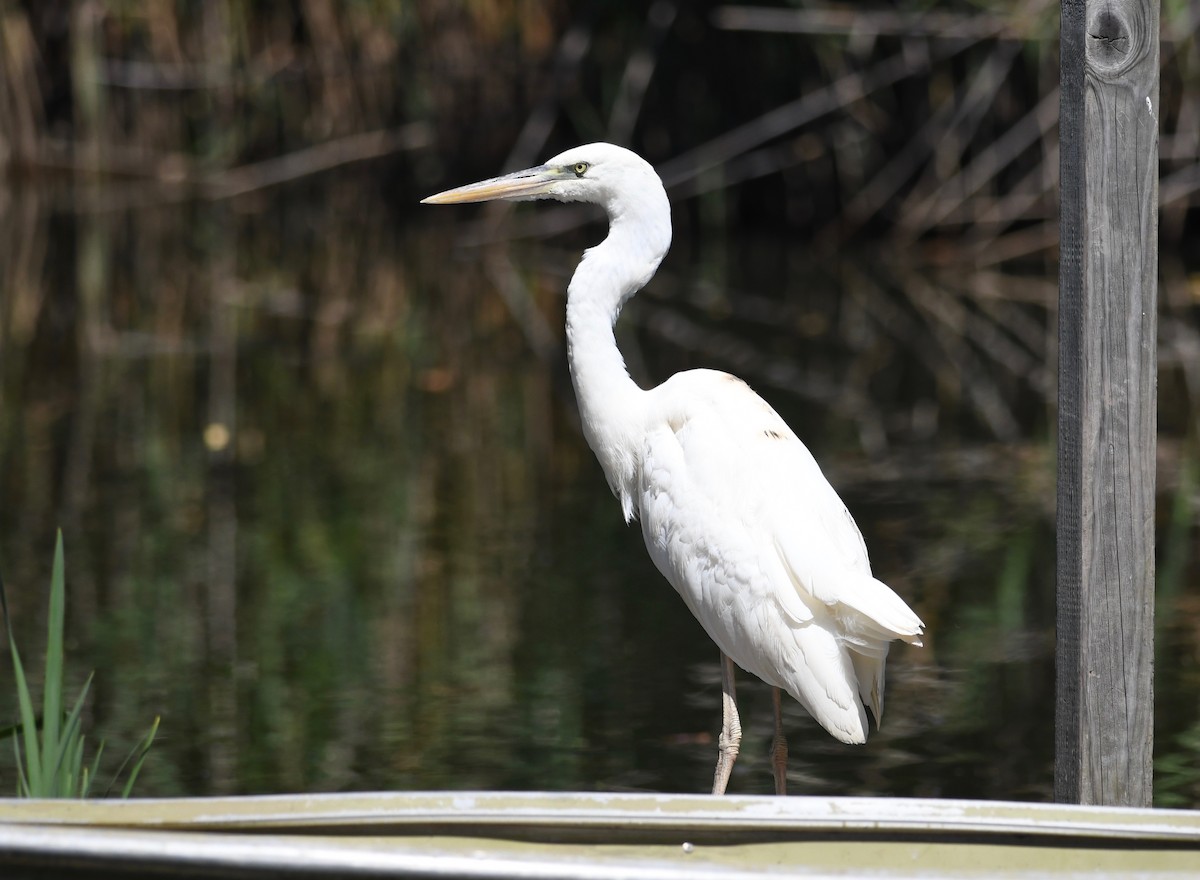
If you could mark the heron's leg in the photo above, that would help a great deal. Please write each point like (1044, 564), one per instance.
(731, 728)
(779, 745)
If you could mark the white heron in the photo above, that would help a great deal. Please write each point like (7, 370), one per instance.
(734, 509)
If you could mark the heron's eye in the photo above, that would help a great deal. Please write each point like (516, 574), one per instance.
(580, 168)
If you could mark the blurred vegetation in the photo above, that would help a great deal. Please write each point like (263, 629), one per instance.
(315, 454)
(927, 121)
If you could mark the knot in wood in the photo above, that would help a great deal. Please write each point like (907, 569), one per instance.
(1116, 36)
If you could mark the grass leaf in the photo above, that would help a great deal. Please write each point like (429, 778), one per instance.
(69, 757)
(90, 773)
(22, 781)
(32, 763)
(139, 753)
(73, 781)
(52, 687)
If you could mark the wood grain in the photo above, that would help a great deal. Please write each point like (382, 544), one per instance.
(1107, 401)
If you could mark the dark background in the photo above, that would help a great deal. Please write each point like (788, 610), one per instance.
(326, 505)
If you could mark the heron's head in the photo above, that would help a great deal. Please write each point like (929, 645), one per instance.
(601, 173)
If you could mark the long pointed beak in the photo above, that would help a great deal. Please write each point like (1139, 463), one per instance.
(517, 186)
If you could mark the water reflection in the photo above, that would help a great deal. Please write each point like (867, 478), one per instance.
(329, 513)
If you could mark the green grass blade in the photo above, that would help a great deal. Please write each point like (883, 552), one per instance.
(22, 781)
(72, 775)
(72, 778)
(52, 689)
(33, 759)
(32, 763)
(90, 773)
(69, 754)
(139, 753)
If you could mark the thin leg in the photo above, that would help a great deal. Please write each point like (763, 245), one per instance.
(731, 728)
(779, 745)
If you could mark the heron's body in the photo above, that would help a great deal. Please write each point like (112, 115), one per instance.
(735, 511)
(738, 517)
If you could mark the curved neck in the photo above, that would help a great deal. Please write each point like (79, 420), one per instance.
(610, 402)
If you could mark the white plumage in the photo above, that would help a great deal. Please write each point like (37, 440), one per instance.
(735, 511)
(738, 517)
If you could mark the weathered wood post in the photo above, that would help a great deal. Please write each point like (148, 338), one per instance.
(1108, 286)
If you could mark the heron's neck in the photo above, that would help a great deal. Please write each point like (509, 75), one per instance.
(610, 402)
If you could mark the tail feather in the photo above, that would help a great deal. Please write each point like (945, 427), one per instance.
(879, 612)
(822, 681)
(869, 672)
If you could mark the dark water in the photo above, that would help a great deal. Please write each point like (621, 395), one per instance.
(328, 511)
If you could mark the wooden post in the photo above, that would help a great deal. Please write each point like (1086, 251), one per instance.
(1107, 410)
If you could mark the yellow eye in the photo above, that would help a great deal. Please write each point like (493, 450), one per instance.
(579, 168)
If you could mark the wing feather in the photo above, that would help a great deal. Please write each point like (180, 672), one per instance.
(738, 516)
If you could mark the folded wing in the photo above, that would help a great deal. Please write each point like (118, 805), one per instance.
(747, 526)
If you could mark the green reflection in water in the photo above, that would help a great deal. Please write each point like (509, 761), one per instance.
(330, 515)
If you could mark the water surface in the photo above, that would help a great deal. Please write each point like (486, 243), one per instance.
(329, 513)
